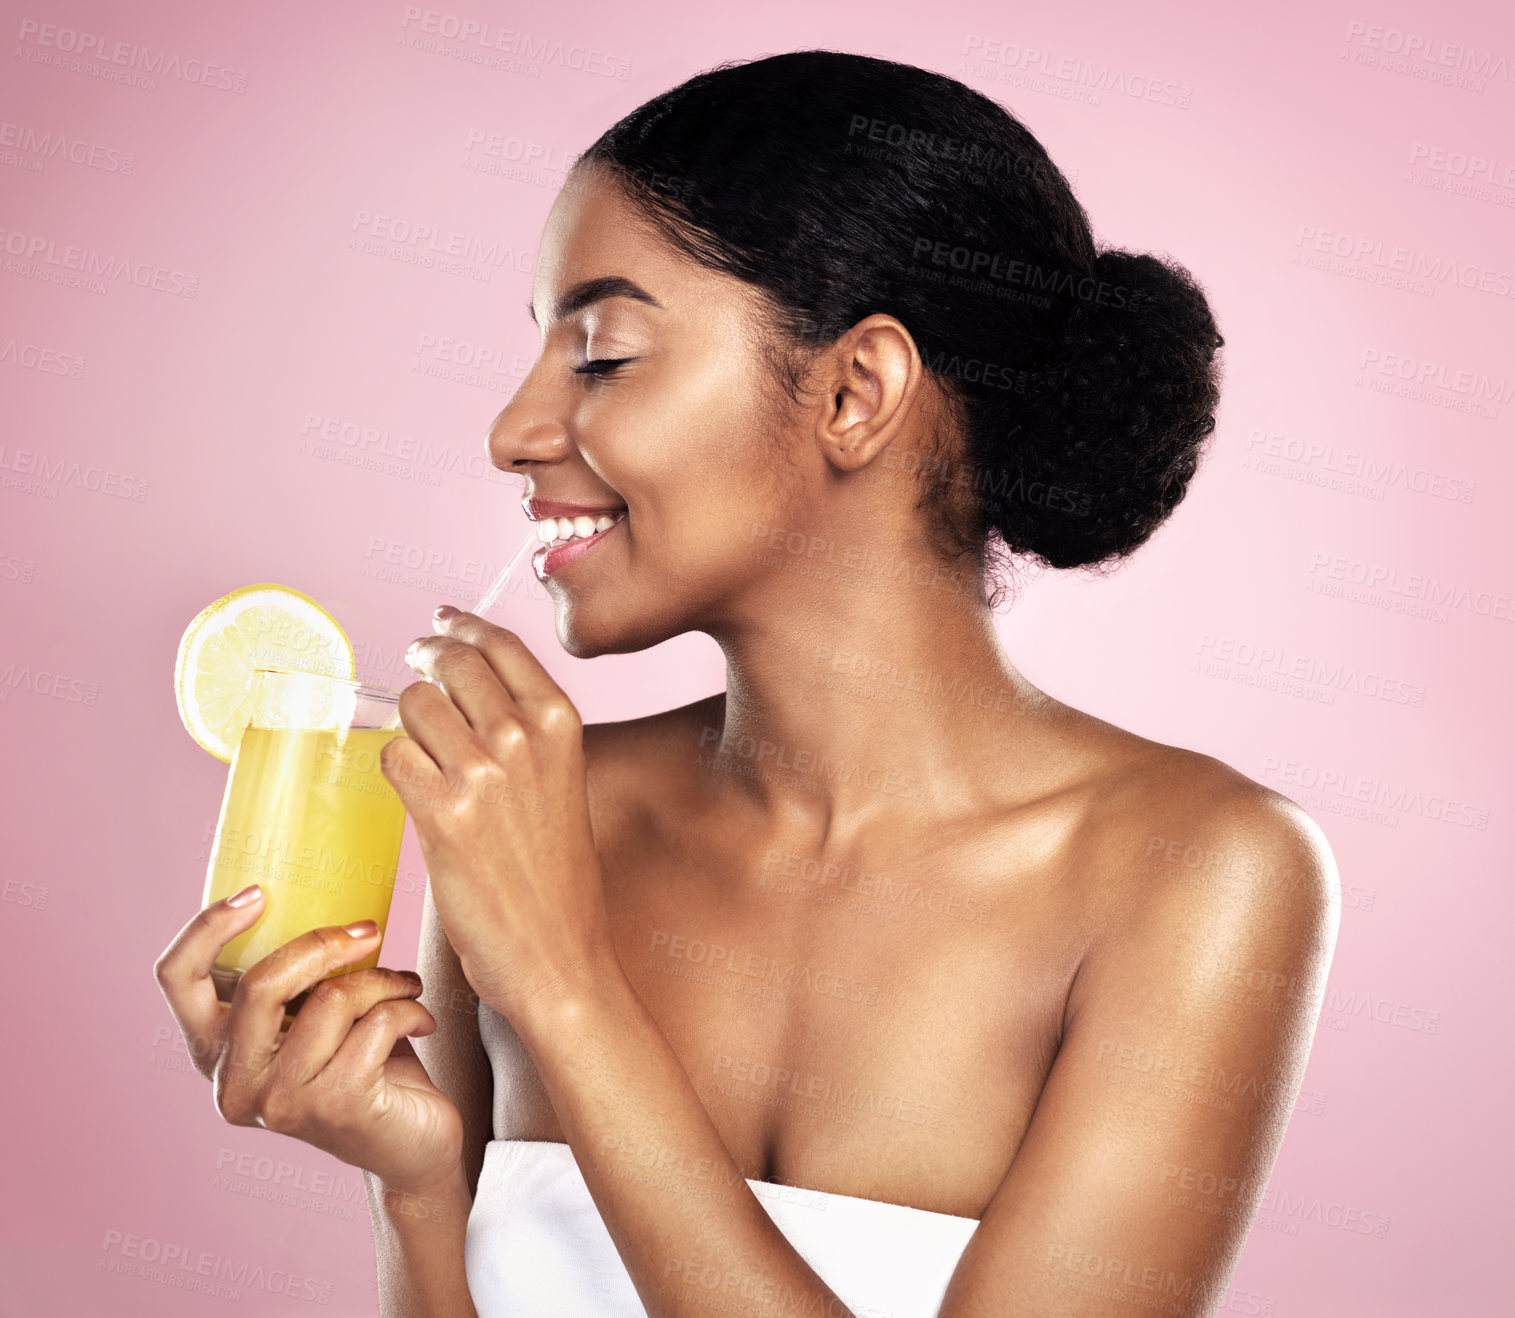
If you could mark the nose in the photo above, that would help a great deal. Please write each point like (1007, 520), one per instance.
(526, 431)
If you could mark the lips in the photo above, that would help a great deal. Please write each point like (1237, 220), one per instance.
(536, 509)
(544, 560)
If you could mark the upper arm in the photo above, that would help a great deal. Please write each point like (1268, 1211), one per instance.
(453, 1054)
(1189, 1026)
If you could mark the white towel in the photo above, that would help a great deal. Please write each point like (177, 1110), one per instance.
(538, 1248)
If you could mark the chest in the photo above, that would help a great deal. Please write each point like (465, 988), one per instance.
(876, 1022)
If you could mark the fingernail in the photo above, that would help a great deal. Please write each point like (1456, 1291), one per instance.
(246, 897)
(443, 613)
(361, 928)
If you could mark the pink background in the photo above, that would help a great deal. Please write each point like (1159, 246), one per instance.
(160, 449)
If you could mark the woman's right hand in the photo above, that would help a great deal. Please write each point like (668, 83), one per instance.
(342, 1077)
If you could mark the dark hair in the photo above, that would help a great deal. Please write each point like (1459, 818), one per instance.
(1083, 382)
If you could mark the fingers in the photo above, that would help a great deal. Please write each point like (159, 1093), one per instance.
(328, 1015)
(436, 727)
(520, 672)
(441, 753)
(372, 1039)
(484, 724)
(257, 1009)
(183, 972)
(468, 679)
(492, 676)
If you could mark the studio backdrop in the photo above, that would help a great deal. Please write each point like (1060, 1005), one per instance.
(264, 271)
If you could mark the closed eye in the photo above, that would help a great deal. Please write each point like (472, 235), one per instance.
(603, 367)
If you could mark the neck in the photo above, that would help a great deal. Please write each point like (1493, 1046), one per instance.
(848, 700)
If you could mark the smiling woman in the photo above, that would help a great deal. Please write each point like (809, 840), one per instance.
(880, 981)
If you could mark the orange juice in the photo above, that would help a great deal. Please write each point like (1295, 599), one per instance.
(309, 816)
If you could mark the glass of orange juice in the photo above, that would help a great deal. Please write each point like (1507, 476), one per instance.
(307, 815)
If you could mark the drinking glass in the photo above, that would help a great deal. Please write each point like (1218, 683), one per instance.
(308, 815)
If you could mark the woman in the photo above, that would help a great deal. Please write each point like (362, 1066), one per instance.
(880, 982)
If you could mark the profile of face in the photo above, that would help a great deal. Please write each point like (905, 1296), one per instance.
(692, 434)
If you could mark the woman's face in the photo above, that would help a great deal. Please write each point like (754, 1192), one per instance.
(689, 435)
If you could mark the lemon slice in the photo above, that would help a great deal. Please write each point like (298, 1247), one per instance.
(255, 627)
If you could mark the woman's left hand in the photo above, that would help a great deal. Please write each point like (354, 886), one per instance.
(493, 776)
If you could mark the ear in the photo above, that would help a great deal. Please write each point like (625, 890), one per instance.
(872, 379)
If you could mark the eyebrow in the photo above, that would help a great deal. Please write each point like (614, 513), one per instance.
(589, 291)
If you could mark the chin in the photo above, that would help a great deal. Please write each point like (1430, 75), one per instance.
(584, 636)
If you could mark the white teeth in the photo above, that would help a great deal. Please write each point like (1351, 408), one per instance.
(560, 530)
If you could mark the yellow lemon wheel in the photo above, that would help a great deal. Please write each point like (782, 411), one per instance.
(255, 627)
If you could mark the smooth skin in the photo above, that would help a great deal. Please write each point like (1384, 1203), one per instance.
(1060, 978)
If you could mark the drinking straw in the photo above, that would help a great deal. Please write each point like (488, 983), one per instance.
(488, 598)
(494, 590)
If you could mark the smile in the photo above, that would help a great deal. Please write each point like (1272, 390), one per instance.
(567, 539)
(560, 530)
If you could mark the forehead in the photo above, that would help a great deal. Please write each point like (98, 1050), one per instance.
(594, 232)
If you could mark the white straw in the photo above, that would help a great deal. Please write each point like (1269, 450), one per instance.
(493, 593)
(488, 598)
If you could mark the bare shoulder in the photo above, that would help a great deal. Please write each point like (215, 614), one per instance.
(628, 752)
(1176, 838)
(1211, 919)
(625, 743)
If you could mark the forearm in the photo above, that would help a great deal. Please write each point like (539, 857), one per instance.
(418, 1239)
(686, 1223)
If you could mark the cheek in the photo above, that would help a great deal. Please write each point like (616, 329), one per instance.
(699, 453)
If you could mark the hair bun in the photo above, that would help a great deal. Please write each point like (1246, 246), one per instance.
(1117, 414)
